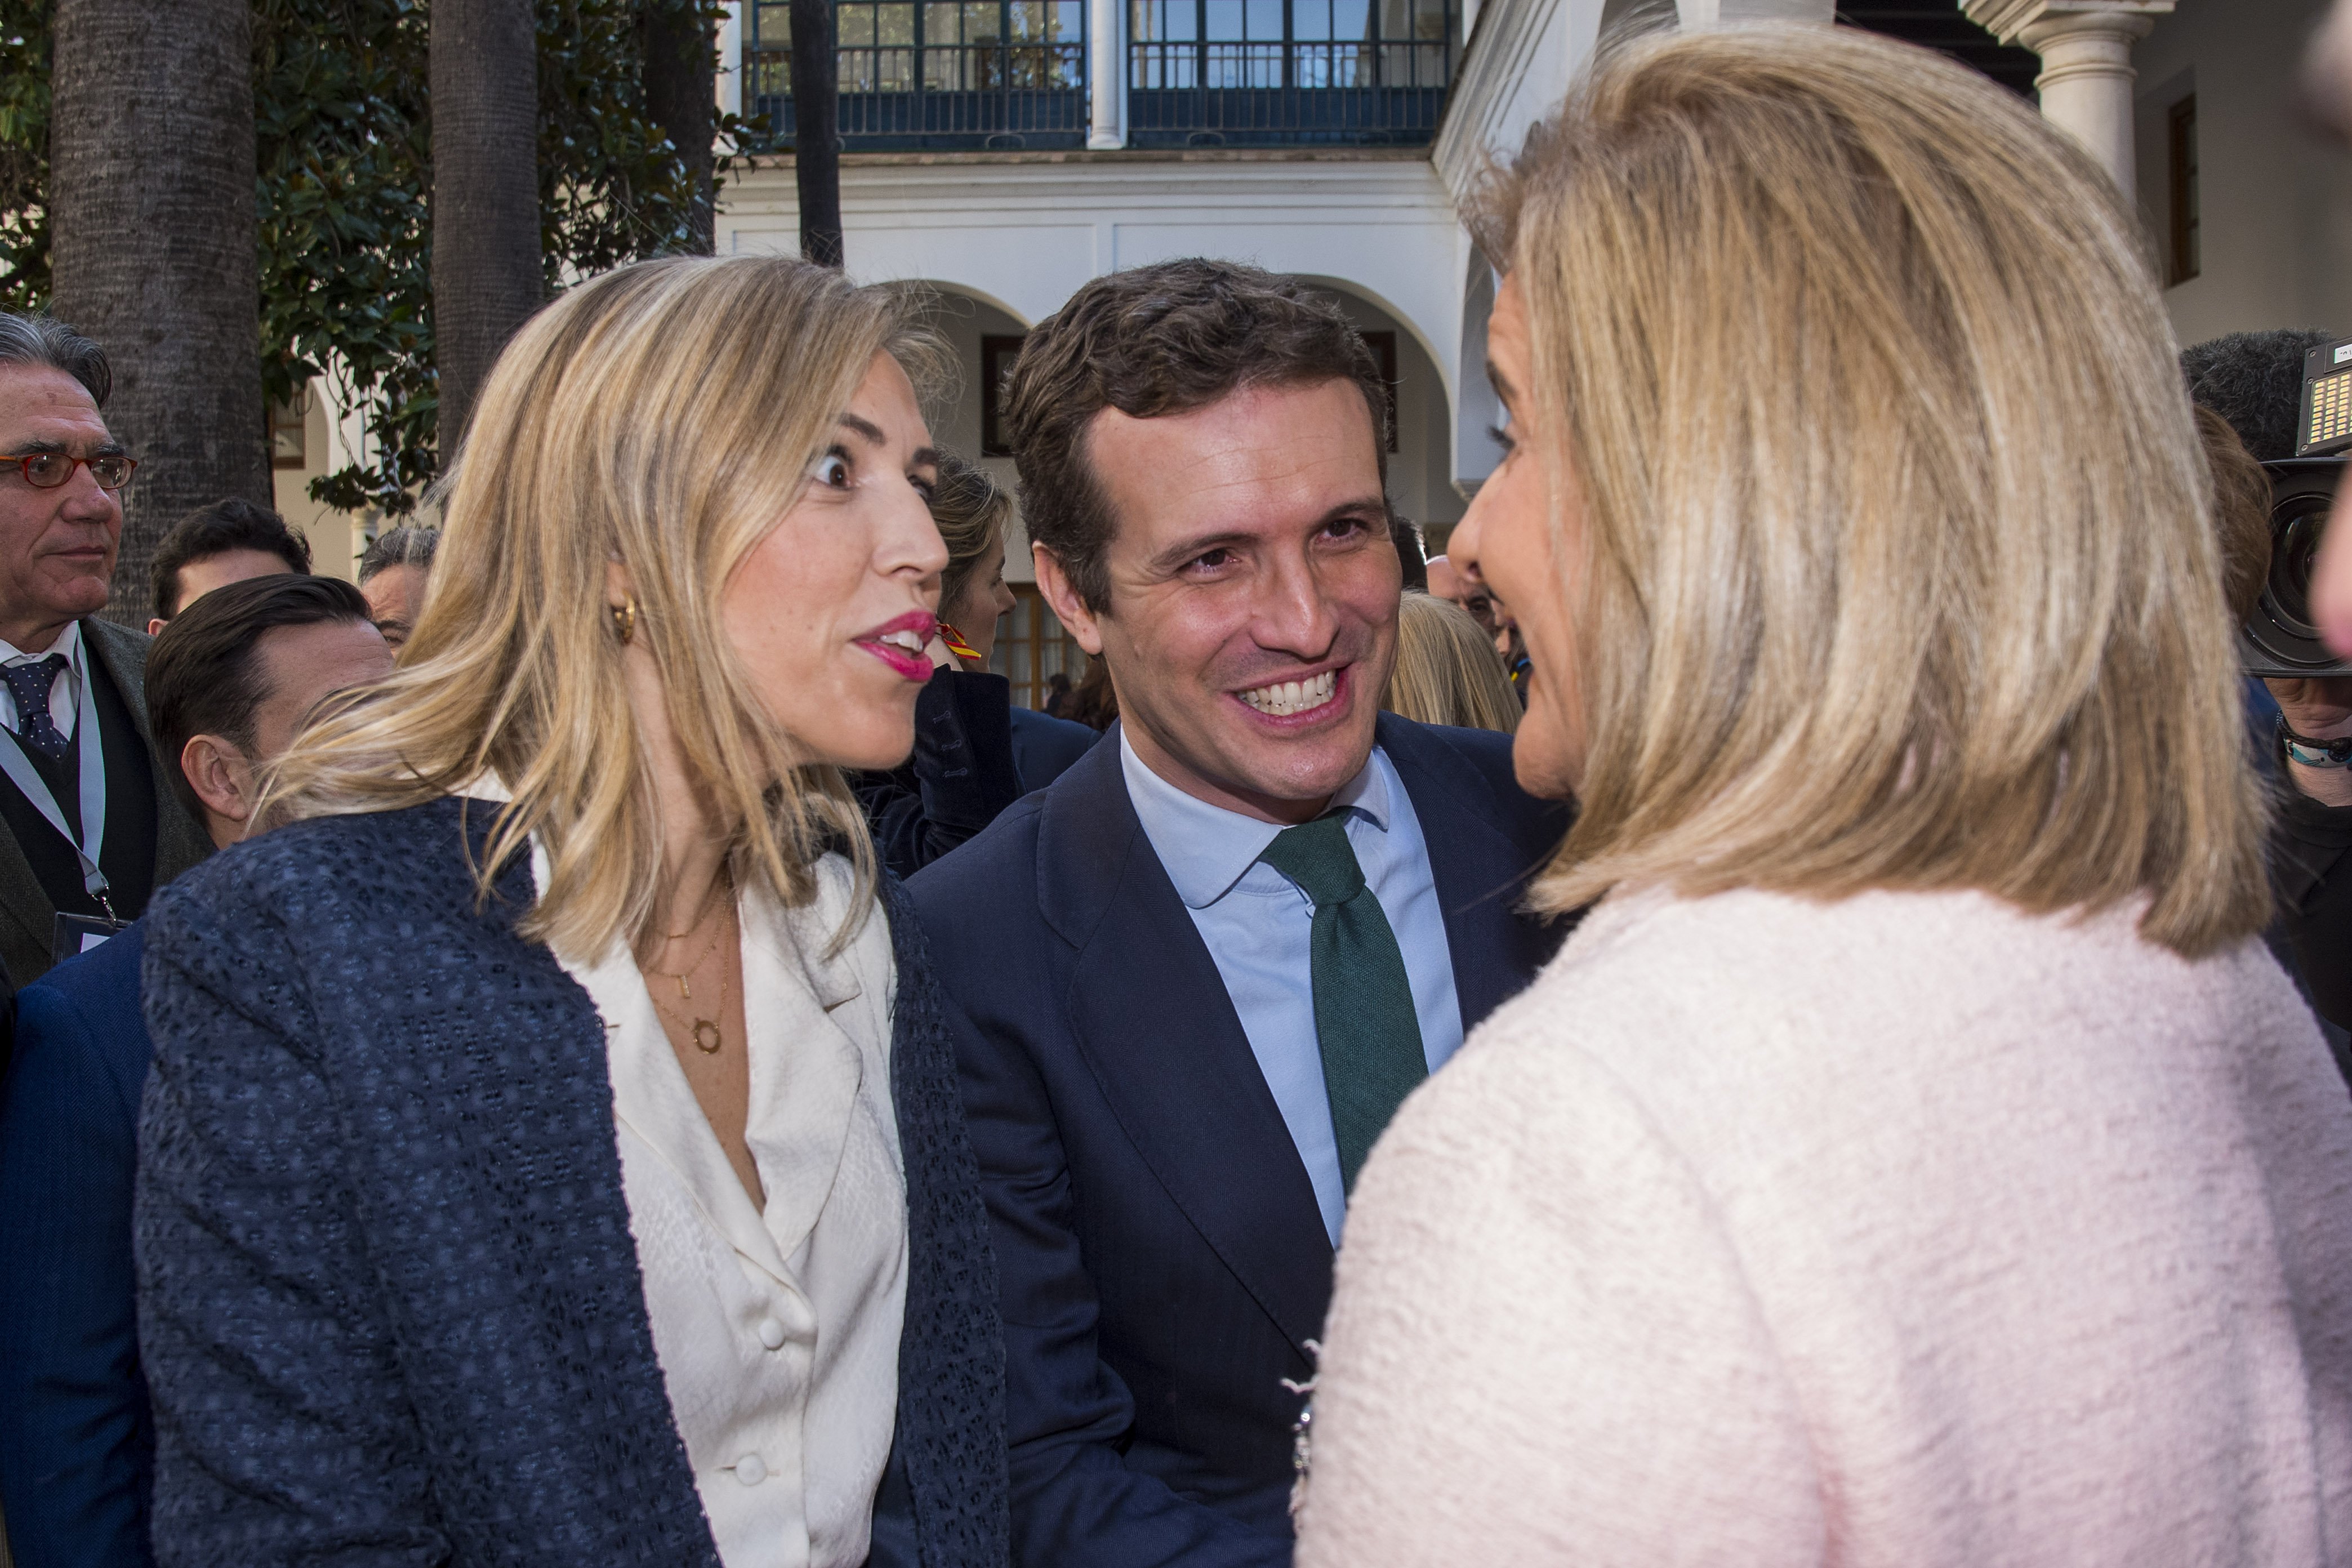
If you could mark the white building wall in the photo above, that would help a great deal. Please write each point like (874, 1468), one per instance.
(2276, 207)
(1018, 233)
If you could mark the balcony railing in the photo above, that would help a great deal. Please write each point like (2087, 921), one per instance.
(1014, 73)
(1198, 93)
(961, 95)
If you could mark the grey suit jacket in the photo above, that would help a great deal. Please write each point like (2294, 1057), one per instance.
(27, 916)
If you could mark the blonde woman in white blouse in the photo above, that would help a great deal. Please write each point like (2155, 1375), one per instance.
(1913, 1158)
(553, 1152)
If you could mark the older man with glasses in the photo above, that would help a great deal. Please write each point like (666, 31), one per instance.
(93, 826)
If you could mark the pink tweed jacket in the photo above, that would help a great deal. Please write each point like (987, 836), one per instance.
(1909, 1229)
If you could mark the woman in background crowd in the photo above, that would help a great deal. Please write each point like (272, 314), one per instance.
(1913, 1157)
(1447, 669)
(552, 1153)
(976, 752)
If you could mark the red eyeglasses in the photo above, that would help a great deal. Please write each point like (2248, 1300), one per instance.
(47, 471)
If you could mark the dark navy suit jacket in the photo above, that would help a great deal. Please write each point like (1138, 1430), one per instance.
(389, 1301)
(1161, 1259)
(77, 1443)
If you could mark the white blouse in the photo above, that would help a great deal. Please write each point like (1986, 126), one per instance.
(777, 1331)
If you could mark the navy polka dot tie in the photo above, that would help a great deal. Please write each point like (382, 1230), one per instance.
(30, 684)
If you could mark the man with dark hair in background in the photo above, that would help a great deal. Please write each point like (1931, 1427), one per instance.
(228, 686)
(213, 545)
(92, 825)
(1189, 982)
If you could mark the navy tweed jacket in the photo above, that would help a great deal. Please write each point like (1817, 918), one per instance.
(390, 1307)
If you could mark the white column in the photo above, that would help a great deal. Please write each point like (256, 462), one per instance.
(731, 59)
(2086, 71)
(1106, 64)
(1696, 13)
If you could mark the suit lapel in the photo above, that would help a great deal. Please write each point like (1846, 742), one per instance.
(24, 898)
(1152, 1020)
(1480, 872)
(180, 841)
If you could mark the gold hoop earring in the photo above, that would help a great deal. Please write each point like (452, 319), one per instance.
(625, 621)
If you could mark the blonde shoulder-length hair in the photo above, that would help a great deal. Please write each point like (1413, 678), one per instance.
(1897, 567)
(1446, 671)
(664, 415)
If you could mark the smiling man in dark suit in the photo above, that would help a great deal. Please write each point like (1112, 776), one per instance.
(1193, 980)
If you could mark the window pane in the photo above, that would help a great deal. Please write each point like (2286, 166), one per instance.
(1224, 20)
(1264, 20)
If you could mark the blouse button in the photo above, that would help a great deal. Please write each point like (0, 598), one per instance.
(771, 1333)
(750, 1469)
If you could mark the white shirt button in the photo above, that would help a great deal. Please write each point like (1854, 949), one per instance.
(771, 1333)
(750, 1469)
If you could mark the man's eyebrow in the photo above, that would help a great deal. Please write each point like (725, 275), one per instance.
(37, 444)
(1362, 507)
(1191, 549)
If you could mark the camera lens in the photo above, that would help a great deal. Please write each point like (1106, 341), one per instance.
(2294, 547)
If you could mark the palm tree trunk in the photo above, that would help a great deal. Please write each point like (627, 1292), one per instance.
(151, 167)
(816, 156)
(484, 80)
(681, 82)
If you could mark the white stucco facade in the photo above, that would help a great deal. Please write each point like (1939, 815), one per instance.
(1016, 234)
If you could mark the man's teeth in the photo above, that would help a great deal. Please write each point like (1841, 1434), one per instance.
(1292, 695)
(904, 639)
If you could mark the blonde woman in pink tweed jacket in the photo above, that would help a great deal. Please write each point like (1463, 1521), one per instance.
(1914, 1158)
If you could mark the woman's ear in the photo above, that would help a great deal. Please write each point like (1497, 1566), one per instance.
(619, 588)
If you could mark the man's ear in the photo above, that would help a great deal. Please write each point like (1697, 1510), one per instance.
(155, 625)
(1068, 608)
(222, 779)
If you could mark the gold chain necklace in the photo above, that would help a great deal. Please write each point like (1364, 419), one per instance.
(705, 1032)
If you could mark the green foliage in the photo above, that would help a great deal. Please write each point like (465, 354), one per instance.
(346, 240)
(344, 183)
(24, 152)
(611, 187)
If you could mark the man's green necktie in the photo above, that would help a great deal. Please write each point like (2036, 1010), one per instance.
(1364, 1018)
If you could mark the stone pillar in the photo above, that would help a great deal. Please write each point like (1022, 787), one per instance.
(1718, 13)
(1106, 66)
(2086, 71)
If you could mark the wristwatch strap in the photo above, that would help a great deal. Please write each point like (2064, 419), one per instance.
(2311, 753)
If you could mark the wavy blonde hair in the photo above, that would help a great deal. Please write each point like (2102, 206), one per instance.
(664, 415)
(1897, 566)
(1446, 671)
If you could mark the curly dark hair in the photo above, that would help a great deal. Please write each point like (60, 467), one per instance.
(1154, 341)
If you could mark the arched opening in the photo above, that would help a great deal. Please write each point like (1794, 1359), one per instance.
(1475, 453)
(1419, 458)
(984, 337)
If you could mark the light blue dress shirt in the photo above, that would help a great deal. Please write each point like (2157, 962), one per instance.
(1257, 922)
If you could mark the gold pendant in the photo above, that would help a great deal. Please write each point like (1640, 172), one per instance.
(709, 1046)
